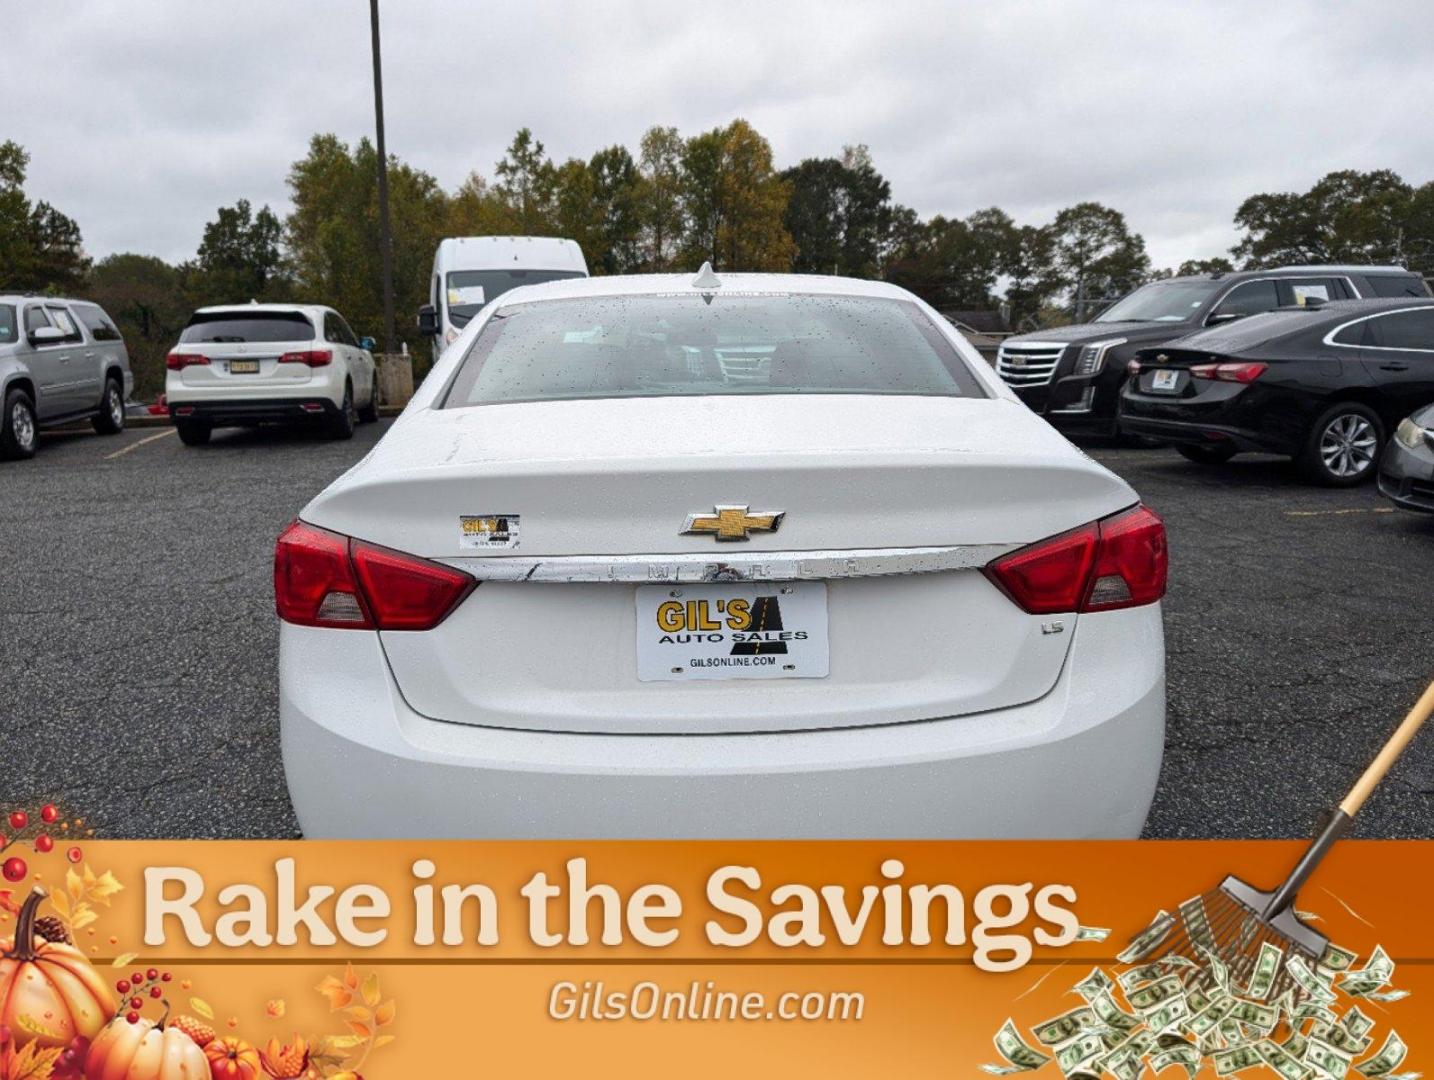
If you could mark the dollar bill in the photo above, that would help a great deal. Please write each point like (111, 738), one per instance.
(1094, 984)
(1328, 1060)
(1281, 1060)
(1236, 1058)
(1092, 933)
(1197, 924)
(1184, 1055)
(1267, 966)
(1072, 1056)
(1208, 1019)
(1340, 1038)
(1063, 1028)
(1296, 1043)
(1149, 939)
(1387, 995)
(1217, 970)
(1389, 1058)
(1168, 1015)
(1257, 1015)
(1308, 981)
(1112, 1015)
(1021, 1057)
(1376, 973)
(1335, 958)
(1355, 1022)
(1153, 995)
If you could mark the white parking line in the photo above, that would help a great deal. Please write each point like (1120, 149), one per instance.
(137, 445)
(1340, 513)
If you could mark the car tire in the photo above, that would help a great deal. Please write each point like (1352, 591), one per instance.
(193, 432)
(369, 413)
(1207, 455)
(1342, 448)
(342, 424)
(110, 419)
(19, 428)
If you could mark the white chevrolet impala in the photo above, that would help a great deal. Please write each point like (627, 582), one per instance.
(757, 555)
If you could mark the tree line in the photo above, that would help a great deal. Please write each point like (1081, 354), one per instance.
(678, 201)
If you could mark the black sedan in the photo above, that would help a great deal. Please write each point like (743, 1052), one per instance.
(1325, 385)
(1406, 472)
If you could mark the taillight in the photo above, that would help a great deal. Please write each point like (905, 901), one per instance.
(1241, 373)
(1117, 562)
(178, 361)
(311, 357)
(324, 579)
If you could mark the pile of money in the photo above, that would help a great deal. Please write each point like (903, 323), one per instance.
(1193, 1012)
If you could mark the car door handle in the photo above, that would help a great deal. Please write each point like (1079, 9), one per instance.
(1393, 367)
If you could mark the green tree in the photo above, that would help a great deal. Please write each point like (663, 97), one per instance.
(734, 201)
(838, 214)
(618, 193)
(332, 232)
(660, 198)
(1095, 256)
(476, 209)
(526, 183)
(1347, 216)
(574, 210)
(240, 257)
(41, 249)
(1217, 265)
(149, 301)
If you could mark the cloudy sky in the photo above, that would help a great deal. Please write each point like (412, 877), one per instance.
(143, 116)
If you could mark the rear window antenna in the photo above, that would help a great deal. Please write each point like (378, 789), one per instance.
(706, 278)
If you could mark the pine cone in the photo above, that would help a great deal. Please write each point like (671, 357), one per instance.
(52, 929)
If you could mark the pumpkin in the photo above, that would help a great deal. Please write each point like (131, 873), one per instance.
(49, 993)
(232, 1059)
(144, 1050)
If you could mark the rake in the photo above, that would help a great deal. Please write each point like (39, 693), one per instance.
(1234, 921)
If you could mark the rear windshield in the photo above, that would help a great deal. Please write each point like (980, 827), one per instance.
(470, 290)
(9, 333)
(1398, 285)
(230, 326)
(695, 344)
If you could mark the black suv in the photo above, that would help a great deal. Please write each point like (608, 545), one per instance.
(1072, 375)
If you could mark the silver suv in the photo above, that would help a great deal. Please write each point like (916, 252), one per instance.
(60, 360)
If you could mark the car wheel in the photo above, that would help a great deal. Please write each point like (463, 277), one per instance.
(342, 426)
(193, 432)
(19, 431)
(369, 413)
(1207, 455)
(110, 419)
(1343, 446)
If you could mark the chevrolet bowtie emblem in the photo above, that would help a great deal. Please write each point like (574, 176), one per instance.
(732, 522)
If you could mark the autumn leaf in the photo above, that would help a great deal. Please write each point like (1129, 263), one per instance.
(276, 1008)
(351, 979)
(384, 1014)
(84, 915)
(359, 1013)
(74, 885)
(383, 1040)
(338, 1042)
(32, 1062)
(363, 1031)
(102, 888)
(338, 994)
(202, 1007)
(61, 903)
(123, 960)
(7, 902)
(371, 993)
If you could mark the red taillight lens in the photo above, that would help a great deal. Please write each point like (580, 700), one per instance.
(1240, 373)
(311, 357)
(178, 361)
(1117, 562)
(405, 592)
(324, 579)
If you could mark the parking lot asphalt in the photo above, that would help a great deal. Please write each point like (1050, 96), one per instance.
(139, 643)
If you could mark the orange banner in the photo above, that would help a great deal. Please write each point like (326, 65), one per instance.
(402, 959)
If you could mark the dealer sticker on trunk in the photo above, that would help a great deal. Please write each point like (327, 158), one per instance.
(485, 531)
(753, 630)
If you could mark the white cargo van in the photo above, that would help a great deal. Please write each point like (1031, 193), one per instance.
(471, 271)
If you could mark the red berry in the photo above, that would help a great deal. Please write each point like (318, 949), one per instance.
(132, 1017)
(19, 819)
(68, 1057)
(122, 986)
(14, 869)
(152, 974)
(166, 977)
(49, 814)
(43, 844)
(137, 978)
(74, 854)
(155, 991)
(136, 1003)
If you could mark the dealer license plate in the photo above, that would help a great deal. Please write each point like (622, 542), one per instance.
(754, 630)
(243, 367)
(1165, 380)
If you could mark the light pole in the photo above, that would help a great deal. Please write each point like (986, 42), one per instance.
(385, 237)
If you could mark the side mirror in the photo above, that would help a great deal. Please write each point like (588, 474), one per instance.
(1224, 317)
(47, 335)
(428, 321)
(366, 343)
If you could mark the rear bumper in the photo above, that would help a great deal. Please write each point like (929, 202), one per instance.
(1080, 762)
(256, 411)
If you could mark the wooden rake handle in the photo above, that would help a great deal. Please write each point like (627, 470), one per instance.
(1386, 758)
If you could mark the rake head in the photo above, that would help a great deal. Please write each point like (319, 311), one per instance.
(1230, 923)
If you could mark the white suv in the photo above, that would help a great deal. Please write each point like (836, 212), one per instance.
(269, 363)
